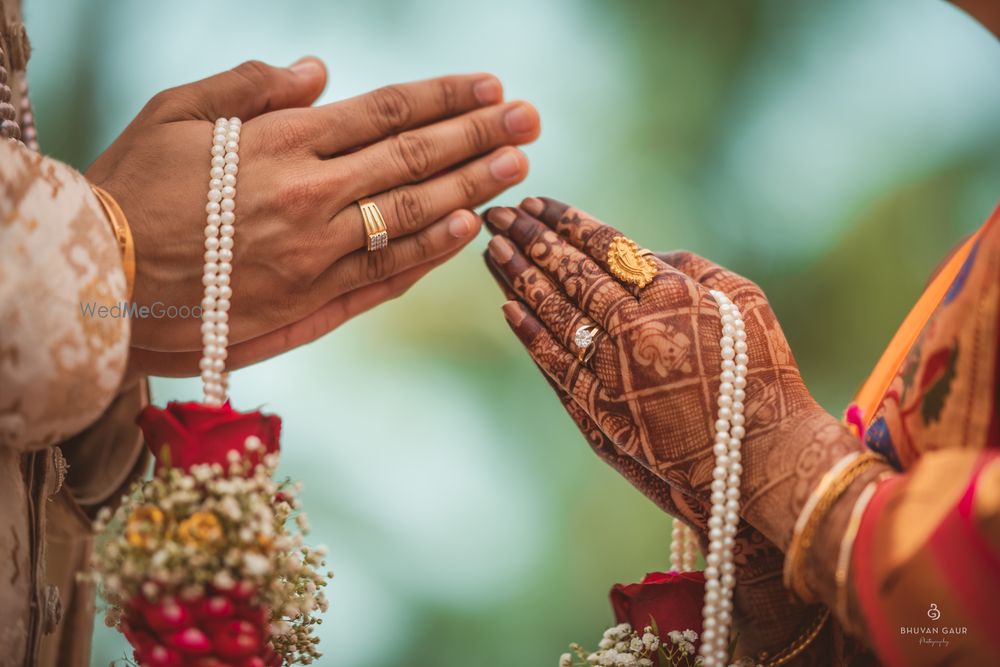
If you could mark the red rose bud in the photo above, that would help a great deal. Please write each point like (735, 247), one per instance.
(216, 607)
(167, 615)
(187, 434)
(673, 599)
(161, 656)
(239, 639)
(192, 640)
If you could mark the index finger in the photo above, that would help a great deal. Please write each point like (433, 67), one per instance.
(367, 118)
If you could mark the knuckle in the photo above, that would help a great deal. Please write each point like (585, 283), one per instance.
(253, 71)
(172, 101)
(161, 99)
(379, 265)
(409, 208)
(414, 152)
(477, 133)
(423, 248)
(391, 109)
(468, 186)
(286, 131)
(447, 92)
(678, 258)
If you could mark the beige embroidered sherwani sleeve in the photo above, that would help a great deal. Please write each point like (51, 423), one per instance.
(61, 362)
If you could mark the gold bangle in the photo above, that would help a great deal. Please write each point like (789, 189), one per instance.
(833, 485)
(123, 235)
(847, 545)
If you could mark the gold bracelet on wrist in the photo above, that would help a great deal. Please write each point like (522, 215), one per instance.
(833, 485)
(123, 235)
(847, 545)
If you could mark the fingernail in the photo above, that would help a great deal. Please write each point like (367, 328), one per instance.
(518, 120)
(306, 67)
(533, 206)
(487, 91)
(502, 218)
(501, 249)
(514, 313)
(459, 226)
(505, 166)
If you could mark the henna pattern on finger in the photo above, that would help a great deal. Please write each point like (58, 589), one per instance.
(664, 380)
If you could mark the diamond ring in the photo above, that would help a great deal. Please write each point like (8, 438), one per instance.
(378, 235)
(584, 339)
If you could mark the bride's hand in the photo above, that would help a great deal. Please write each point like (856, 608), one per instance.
(653, 380)
(650, 387)
(426, 152)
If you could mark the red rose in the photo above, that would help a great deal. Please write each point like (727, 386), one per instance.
(186, 434)
(673, 599)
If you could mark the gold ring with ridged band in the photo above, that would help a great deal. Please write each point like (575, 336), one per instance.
(378, 235)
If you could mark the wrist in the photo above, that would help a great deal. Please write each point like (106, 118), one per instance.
(787, 464)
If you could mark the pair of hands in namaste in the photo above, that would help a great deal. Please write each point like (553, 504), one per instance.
(426, 152)
(646, 397)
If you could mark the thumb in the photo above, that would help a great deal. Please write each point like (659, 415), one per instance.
(246, 91)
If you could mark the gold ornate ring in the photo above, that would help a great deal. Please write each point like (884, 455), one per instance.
(378, 235)
(584, 339)
(629, 264)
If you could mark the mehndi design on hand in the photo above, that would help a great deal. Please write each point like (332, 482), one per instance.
(647, 390)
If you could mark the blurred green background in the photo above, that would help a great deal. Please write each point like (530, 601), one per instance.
(832, 151)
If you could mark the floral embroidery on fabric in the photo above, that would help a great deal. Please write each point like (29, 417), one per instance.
(936, 383)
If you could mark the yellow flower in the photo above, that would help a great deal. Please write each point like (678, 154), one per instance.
(200, 529)
(143, 525)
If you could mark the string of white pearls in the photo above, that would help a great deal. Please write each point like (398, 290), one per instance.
(219, 231)
(683, 548)
(717, 612)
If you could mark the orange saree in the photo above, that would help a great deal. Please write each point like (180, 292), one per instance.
(924, 550)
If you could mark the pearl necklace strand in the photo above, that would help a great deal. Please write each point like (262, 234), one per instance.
(717, 612)
(720, 579)
(219, 230)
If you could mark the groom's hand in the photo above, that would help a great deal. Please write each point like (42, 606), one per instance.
(426, 152)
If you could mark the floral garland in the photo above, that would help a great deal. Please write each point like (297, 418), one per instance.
(198, 565)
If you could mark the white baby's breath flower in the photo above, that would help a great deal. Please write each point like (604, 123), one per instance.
(690, 635)
(223, 580)
(256, 565)
(229, 507)
(566, 660)
(605, 643)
